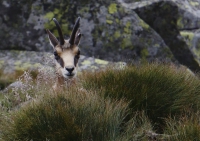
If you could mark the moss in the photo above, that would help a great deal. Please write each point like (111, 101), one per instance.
(17, 63)
(83, 10)
(126, 43)
(143, 24)
(166, 7)
(196, 52)
(56, 11)
(109, 21)
(128, 24)
(37, 8)
(117, 21)
(49, 15)
(144, 53)
(117, 34)
(111, 39)
(26, 66)
(65, 29)
(127, 28)
(93, 67)
(36, 65)
(20, 66)
(86, 62)
(101, 62)
(194, 3)
(1, 63)
(112, 8)
(179, 22)
(156, 45)
(187, 35)
(121, 10)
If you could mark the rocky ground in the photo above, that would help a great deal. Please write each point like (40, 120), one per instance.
(121, 30)
(11, 61)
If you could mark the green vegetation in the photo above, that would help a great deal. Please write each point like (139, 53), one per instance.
(6, 79)
(186, 128)
(112, 8)
(187, 35)
(143, 24)
(159, 90)
(130, 103)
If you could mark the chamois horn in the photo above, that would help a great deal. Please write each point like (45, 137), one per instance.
(75, 28)
(62, 41)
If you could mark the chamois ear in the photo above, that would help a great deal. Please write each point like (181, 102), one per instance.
(77, 37)
(52, 39)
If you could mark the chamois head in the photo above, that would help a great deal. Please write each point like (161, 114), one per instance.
(66, 52)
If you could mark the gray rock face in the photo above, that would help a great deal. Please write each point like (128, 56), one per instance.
(109, 31)
(124, 30)
(164, 21)
(168, 19)
(11, 61)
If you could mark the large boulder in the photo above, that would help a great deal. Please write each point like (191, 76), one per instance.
(167, 18)
(121, 30)
(109, 30)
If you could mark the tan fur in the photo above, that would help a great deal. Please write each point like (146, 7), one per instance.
(66, 55)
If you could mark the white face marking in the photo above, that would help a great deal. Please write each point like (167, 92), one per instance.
(67, 64)
(69, 69)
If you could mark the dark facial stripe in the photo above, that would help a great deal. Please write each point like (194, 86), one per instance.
(76, 58)
(61, 62)
(59, 59)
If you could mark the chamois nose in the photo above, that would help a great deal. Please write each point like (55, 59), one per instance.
(69, 69)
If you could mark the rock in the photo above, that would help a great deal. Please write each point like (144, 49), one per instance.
(164, 17)
(17, 84)
(110, 32)
(12, 61)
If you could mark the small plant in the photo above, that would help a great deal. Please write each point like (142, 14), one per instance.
(14, 96)
(7, 78)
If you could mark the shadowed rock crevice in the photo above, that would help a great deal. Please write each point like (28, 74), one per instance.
(162, 17)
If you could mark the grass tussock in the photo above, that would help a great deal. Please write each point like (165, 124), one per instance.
(157, 89)
(112, 105)
(72, 114)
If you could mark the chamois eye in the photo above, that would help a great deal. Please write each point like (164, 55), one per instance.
(56, 55)
(78, 55)
(76, 58)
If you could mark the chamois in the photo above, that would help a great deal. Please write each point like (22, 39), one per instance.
(66, 53)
